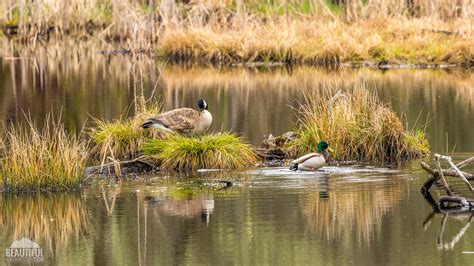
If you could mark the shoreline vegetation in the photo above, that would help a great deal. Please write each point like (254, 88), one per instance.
(46, 159)
(327, 32)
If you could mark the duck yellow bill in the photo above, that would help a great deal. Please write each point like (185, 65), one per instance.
(331, 150)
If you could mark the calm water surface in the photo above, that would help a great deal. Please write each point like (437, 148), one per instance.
(341, 215)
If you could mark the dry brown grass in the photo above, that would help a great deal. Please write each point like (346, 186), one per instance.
(256, 31)
(316, 41)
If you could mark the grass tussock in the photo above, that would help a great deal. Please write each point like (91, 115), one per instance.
(221, 151)
(123, 138)
(357, 125)
(47, 159)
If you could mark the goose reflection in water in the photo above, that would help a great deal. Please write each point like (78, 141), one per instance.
(189, 206)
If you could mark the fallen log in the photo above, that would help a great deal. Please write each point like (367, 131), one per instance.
(118, 169)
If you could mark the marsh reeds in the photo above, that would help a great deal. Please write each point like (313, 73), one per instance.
(46, 159)
(217, 151)
(316, 41)
(357, 125)
(321, 32)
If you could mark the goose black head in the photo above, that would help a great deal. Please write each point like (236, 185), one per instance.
(322, 146)
(202, 104)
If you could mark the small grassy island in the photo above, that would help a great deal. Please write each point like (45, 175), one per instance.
(224, 151)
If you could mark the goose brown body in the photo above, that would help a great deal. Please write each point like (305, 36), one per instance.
(183, 120)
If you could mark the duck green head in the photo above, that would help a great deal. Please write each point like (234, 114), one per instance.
(322, 146)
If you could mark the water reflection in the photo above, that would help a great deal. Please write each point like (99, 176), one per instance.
(76, 78)
(462, 214)
(346, 215)
(182, 203)
(347, 207)
(51, 220)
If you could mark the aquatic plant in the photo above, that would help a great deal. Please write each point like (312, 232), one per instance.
(223, 151)
(123, 138)
(357, 125)
(47, 159)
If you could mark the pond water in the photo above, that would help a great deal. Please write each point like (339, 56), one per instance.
(340, 215)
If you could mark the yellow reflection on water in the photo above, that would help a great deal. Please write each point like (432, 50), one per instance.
(51, 220)
(352, 207)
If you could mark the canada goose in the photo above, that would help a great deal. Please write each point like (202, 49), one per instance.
(182, 120)
(312, 161)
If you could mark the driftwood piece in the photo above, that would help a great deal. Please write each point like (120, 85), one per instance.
(451, 203)
(435, 175)
(446, 172)
(464, 163)
(453, 166)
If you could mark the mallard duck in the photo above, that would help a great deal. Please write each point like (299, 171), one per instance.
(312, 161)
(182, 120)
